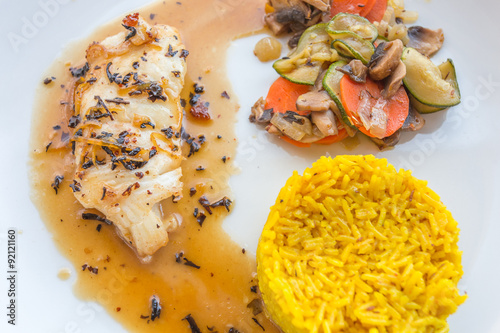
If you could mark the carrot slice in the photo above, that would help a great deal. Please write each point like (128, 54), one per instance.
(325, 141)
(373, 10)
(334, 138)
(377, 12)
(396, 108)
(348, 6)
(368, 7)
(295, 143)
(282, 97)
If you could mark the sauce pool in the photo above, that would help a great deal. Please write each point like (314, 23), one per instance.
(217, 293)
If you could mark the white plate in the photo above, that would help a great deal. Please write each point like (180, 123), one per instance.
(457, 152)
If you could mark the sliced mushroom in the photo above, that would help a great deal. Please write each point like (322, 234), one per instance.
(414, 121)
(318, 84)
(385, 59)
(325, 121)
(259, 114)
(356, 70)
(315, 17)
(291, 15)
(425, 41)
(294, 15)
(279, 5)
(314, 101)
(276, 27)
(322, 5)
(388, 142)
(317, 99)
(394, 81)
(294, 40)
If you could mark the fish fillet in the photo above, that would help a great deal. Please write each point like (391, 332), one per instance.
(126, 131)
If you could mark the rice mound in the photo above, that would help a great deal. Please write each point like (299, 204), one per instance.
(355, 246)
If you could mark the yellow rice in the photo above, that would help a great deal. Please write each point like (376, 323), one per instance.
(355, 246)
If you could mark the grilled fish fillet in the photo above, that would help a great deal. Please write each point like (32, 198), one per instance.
(126, 126)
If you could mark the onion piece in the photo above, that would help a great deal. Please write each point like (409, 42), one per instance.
(414, 121)
(296, 127)
(372, 115)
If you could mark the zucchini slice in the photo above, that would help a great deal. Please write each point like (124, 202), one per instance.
(351, 45)
(344, 22)
(331, 83)
(380, 39)
(422, 108)
(352, 36)
(303, 65)
(449, 74)
(429, 84)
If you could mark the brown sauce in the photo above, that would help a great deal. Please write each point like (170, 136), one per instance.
(216, 295)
